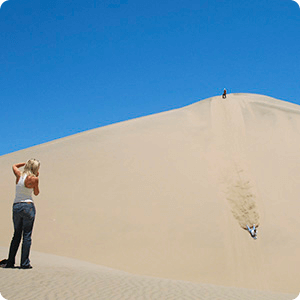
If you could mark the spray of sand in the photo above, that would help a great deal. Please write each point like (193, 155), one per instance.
(236, 181)
(242, 200)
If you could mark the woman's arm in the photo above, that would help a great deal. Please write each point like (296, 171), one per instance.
(16, 170)
(36, 189)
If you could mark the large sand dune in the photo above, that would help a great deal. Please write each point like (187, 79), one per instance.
(168, 195)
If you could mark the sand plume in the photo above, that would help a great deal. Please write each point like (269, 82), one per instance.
(230, 144)
(242, 202)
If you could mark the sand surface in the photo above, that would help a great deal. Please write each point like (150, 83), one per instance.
(168, 195)
(55, 277)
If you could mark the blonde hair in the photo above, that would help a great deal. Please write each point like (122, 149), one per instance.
(31, 167)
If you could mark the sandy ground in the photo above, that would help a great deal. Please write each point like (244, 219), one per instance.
(55, 277)
(168, 195)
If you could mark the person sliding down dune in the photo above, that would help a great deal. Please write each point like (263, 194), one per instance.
(252, 231)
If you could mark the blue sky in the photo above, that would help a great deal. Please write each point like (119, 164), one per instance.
(68, 66)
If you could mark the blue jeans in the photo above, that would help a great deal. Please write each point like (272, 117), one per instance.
(23, 218)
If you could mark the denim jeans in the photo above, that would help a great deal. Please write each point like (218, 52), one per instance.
(23, 218)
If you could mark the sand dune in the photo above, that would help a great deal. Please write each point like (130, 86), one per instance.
(168, 195)
(57, 277)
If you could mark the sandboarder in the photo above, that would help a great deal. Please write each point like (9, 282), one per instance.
(252, 231)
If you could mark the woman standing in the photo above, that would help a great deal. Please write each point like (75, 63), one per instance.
(24, 211)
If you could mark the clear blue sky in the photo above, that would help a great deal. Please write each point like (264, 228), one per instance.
(67, 66)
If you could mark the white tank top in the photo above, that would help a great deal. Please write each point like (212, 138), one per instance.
(23, 194)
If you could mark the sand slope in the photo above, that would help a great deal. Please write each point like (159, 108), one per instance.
(167, 195)
(57, 277)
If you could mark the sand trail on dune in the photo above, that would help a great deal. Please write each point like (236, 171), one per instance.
(235, 180)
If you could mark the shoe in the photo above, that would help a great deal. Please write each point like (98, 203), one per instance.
(9, 266)
(3, 263)
(26, 267)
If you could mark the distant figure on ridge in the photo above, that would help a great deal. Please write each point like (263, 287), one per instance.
(23, 211)
(224, 94)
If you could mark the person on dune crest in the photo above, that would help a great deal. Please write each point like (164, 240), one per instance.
(224, 94)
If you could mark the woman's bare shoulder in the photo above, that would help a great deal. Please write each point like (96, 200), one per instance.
(31, 181)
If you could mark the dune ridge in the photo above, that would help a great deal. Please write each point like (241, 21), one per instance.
(167, 195)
